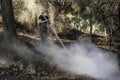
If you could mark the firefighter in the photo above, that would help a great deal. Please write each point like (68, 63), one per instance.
(43, 20)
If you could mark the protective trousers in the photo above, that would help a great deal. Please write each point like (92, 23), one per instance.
(43, 32)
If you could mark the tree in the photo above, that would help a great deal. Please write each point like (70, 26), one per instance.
(119, 13)
(8, 18)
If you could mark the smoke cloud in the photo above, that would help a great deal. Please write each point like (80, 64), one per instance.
(82, 58)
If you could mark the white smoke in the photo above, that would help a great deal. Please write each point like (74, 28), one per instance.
(83, 58)
(23, 51)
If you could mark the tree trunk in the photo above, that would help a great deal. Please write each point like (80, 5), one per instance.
(8, 19)
(91, 29)
(119, 13)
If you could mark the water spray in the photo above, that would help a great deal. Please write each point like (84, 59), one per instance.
(54, 31)
(62, 44)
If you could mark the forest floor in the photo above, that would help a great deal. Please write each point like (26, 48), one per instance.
(16, 67)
